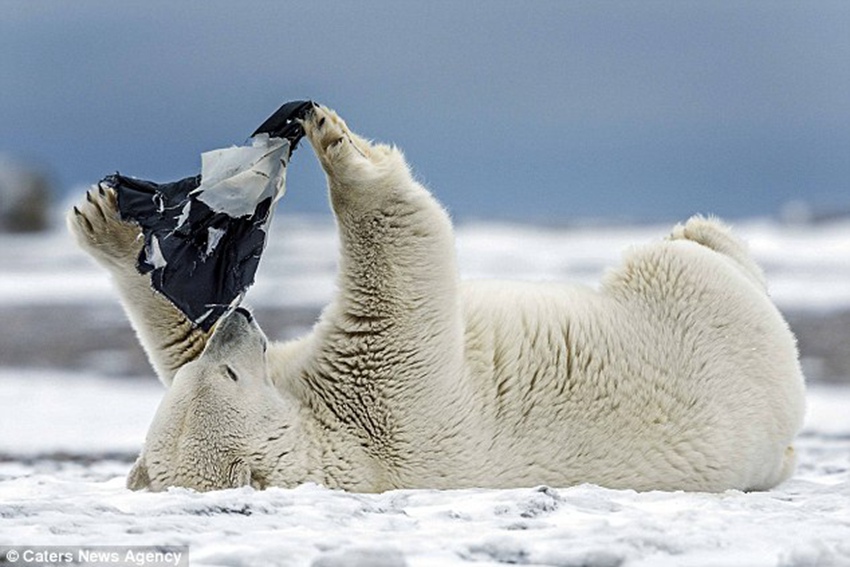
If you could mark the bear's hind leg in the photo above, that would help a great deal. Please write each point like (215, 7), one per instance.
(713, 234)
(168, 337)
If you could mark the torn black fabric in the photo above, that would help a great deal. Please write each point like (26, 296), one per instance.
(201, 264)
(284, 122)
(202, 260)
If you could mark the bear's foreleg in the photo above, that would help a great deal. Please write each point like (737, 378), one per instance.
(168, 337)
(389, 348)
(397, 271)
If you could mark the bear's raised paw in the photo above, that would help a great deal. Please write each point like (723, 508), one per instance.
(98, 228)
(347, 158)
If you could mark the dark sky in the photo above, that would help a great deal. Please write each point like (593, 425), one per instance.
(554, 110)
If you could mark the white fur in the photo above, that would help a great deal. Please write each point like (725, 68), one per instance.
(677, 374)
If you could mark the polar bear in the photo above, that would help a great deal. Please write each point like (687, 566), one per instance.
(677, 373)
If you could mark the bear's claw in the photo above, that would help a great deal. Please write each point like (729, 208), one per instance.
(98, 228)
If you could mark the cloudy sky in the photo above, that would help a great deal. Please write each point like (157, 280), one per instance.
(541, 110)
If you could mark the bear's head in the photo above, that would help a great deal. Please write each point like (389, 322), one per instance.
(221, 420)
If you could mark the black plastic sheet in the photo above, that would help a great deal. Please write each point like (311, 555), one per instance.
(204, 237)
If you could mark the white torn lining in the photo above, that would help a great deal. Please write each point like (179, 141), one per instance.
(184, 214)
(153, 254)
(234, 180)
(213, 237)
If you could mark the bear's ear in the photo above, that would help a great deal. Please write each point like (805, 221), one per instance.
(138, 478)
(239, 474)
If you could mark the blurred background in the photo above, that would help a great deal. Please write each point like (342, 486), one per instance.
(544, 110)
(547, 117)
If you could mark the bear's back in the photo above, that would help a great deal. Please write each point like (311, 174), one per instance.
(651, 386)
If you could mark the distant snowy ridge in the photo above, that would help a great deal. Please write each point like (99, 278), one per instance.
(807, 267)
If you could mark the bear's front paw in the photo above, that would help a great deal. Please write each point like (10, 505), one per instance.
(328, 133)
(345, 156)
(99, 230)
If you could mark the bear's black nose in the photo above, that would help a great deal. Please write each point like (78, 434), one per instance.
(245, 313)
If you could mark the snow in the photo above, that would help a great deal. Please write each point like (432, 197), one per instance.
(46, 500)
(67, 440)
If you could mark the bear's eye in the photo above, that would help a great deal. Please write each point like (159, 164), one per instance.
(231, 373)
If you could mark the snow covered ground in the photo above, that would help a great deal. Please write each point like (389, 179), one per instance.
(67, 439)
(50, 499)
